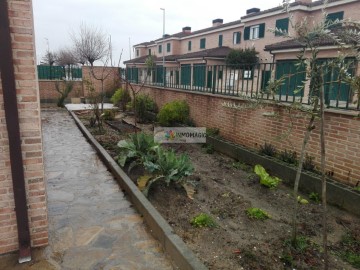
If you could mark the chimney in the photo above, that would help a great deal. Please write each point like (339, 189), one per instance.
(304, 2)
(217, 22)
(186, 29)
(252, 10)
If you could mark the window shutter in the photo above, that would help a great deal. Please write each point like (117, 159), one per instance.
(261, 30)
(168, 47)
(238, 37)
(220, 40)
(335, 16)
(282, 24)
(189, 46)
(247, 33)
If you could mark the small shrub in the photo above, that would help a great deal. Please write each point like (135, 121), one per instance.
(208, 148)
(214, 132)
(257, 213)
(203, 220)
(314, 196)
(288, 157)
(121, 98)
(308, 163)
(265, 178)
(301, 244)
(174, 112)
(268, 149)
(108, 115)
(143, 103)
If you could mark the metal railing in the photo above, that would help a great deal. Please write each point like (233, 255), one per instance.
(252, 81)
(72, 73)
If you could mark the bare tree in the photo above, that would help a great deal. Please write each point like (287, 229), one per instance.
(90, 43)
(49, 58)
(66, 58)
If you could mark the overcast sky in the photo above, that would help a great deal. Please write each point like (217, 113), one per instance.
(137, 20)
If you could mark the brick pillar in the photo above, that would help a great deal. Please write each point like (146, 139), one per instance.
(22, 32)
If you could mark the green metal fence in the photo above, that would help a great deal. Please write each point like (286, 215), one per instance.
(252, 81)
(59, 72)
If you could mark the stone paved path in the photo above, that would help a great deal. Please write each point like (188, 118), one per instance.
(92, 225)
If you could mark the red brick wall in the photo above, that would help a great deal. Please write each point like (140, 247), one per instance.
(21, 23)
(48, 92)
(251, 128)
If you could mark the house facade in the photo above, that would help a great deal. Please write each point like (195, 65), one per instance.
(196, 60)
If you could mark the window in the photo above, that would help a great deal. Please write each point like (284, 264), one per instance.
(220, 40)
(189, 46)
(202, 43)
(236, 37)
(160, 48)
(220, 75)
(137, 53)
(168, 47)
(331, 17)
(254, 31)
(282, 24)
(149, 51)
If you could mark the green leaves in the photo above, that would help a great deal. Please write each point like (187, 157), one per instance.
(265, 178)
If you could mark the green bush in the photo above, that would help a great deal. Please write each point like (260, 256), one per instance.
(174, 112)
(268, 149)
(108, 115)
(143, 103)
(120, 98)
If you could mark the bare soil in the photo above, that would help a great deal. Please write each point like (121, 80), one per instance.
(225, 190)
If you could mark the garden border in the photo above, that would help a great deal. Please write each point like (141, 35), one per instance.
(173, 245)
(338, 194)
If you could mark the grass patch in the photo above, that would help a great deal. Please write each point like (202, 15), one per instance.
(203, 220)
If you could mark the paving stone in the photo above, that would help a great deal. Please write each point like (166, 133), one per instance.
(85, 236)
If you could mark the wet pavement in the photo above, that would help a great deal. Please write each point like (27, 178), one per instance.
(92, 225)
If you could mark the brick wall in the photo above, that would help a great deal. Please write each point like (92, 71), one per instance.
(48, 92)
(21, 23)
(252, 128)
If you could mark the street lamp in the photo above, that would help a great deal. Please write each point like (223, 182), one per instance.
(163, 47)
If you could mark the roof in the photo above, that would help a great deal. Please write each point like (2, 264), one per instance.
(220, 52)
(294, 4)
(184, 34)
(342, 33)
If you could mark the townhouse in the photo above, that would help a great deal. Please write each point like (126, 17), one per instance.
(196, 59)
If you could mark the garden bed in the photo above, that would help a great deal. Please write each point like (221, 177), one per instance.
(226, 189)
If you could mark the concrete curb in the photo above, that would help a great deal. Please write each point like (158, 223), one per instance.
(173, 245)
(338, 194)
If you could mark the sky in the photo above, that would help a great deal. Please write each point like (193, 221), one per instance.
(130, 22)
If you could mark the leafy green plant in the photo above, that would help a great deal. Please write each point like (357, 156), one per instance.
(308, 163)
(257, 213)
(121, 98)
(357, 188)
(140, 147)
(288, 157)
(174, 112)
(268, 149)
(203, 220)
(108, 115)
(314, 196)
(169, 167)
(265, 178)
(302, 200)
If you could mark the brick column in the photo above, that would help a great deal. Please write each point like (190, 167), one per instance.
(22, 33)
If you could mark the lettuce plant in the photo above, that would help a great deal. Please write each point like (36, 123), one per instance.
(265, 178)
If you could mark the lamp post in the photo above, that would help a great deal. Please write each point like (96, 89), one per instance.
(163, 47)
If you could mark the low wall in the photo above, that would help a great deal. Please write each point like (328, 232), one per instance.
(253, 127)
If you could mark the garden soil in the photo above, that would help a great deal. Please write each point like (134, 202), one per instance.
(225, 190)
